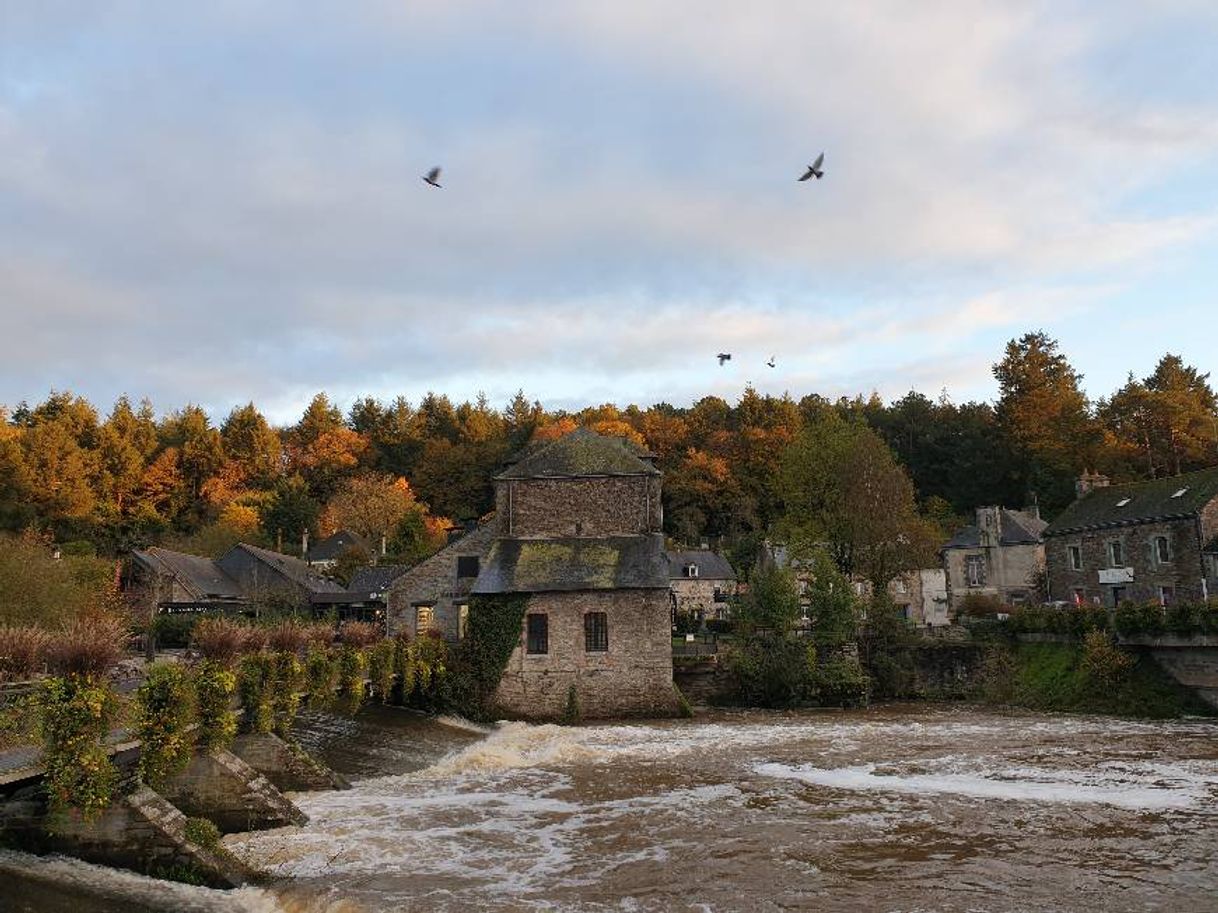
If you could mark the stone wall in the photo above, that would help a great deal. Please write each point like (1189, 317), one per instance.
(435, 581)
(561, 508)
(1182, 573)
(634, 677)
(697, 595)
(219, 786)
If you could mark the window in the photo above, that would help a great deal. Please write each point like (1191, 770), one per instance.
(1162, 549)
(974, 569)
(1122, 502)
(691, 570)
(539, 633)
(596, 632)
(1076, 557)
(1181, 493)
(898, 586)
(1212, 563)
(1167, 595)
(462, 620)
(424, 618)
(467, 566)
(1118, 595)
(719, 596)
(1116, 554)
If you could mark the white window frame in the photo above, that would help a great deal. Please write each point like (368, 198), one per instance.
(1116, 553)
(1166, 540)
(977, 562)
(1075, 555)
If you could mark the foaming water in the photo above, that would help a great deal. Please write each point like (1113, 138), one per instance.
(898, 809)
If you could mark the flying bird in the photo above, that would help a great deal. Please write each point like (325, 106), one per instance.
(770, 363)
(433, 177)
(814, 170)
(724, 356)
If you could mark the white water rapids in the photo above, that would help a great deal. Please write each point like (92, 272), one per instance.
(898, 809)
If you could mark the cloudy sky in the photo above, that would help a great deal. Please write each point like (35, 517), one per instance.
(217, 202)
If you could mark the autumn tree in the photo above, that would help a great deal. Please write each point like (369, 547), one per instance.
(370, 506)
(1045, 416)
(252, 445)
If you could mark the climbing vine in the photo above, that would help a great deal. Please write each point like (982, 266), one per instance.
(165, 702)
(493, 632)
(287, 678)
(254, 683)
(321, 676)
(352, 669)
(381, 659)
(76, 713)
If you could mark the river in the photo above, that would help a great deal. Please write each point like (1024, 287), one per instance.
(897, 809)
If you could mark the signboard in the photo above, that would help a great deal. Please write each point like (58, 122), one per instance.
(1116, 575)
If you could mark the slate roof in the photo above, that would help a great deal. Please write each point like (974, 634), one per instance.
(331, 547)
(201, 577)
(293, 568)
(580, 453)
(1017, 528)
(545, 565)
(1145, 502)
(376, 579)
(711, 565)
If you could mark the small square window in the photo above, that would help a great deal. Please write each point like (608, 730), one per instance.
(596, 632)
(467, 566)
(1076, 557)
(425, 617)
(538, 640)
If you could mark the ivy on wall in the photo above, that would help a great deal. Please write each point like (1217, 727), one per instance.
(76, 713)
(166, 704)
(493, 631)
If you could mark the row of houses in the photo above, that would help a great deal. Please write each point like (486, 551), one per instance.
(1153, 541)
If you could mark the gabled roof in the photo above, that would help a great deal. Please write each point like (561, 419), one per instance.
(1172, 498)
(199, 576)
(543, 565)
(580, 453)
(1017, 527)
(293, 569)
(376, 579)
(331, 547)
(711, 565)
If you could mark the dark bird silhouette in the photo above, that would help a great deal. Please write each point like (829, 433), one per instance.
(815, 170)
(770, 363)
(724, 356)
(433, 177)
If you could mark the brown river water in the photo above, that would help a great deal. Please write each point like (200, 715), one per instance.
(898, 809)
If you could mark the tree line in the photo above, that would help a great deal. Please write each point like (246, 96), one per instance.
(859, 473)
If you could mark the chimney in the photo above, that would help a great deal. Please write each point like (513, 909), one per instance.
(989, 526)
(304, 544)
(1088, 482)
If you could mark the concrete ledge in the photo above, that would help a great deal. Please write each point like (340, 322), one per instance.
(219, 786)
(288, 766)
(1173, 641)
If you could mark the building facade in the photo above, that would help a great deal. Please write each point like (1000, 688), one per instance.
(1001, 557)
(577, 530)
(1152, 541)
(702, 584)
(434, 594)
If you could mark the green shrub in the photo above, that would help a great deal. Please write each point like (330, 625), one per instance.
(255, 679)
(1139, 619)
(75, 714)
(380, 669)
(215, 685)
(352, 671)
(768, 670)
(321, 676)
(840, 682)
(202, 833)
(174, 630)
(1104, 663)
(287, 680)
(165, 703)
(571, 713)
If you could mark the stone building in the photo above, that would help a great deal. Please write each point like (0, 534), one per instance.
(702, 583)
(182, 584)
(577, 530)
(434, 594)
(1149, 541)
(1002, 556)
(920, 596)
(264, 576)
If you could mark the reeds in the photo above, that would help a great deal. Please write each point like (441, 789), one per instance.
(88, 645)
(23, 650)
(219, 639)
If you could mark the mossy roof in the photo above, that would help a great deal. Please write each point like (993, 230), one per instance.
(579, 453)
(545, 565)
(1171, 498)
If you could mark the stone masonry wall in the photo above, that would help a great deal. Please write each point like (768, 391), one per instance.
(1182, 572)
(435, 580)
(557, 508)
(697, 594)
(1009, 571)
(633, 678)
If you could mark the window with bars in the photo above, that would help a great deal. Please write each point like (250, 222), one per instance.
(596, 632)
(538, 639)
(974, 570)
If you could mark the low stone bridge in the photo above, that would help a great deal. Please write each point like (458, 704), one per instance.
(1192, 661)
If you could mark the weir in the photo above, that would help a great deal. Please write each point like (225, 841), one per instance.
(146, 830)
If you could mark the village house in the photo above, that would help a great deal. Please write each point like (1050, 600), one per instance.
(325, 554)
(1151, 541)
(577, 531)
(919, 596)
(434, 594)
(702, 584)
(183, 584)
(1002, 557)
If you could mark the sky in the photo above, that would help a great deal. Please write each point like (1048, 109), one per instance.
(216, 203)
